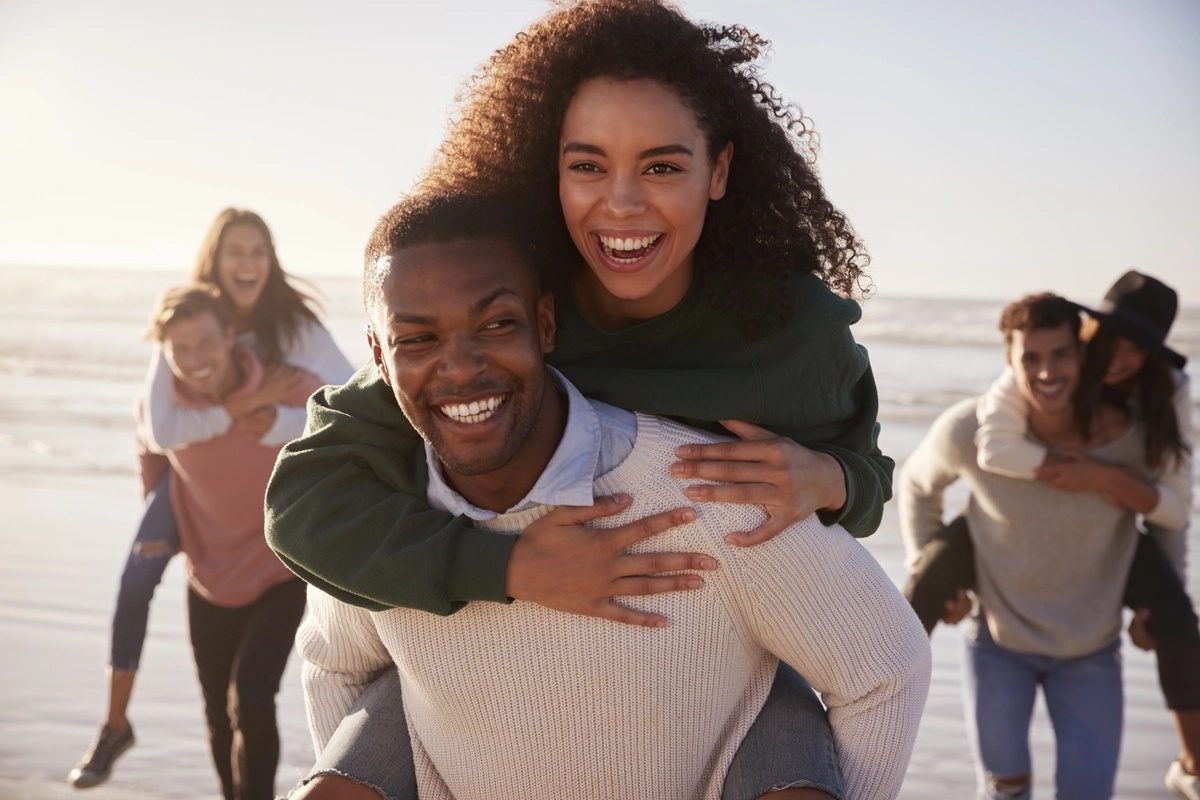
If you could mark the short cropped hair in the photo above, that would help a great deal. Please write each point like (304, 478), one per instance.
(443, 217)
(1039, 311)
(183, 302)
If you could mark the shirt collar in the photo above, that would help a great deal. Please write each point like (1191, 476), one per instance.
(566, 480)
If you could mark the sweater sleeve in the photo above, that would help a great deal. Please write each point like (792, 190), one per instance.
(924, 478)
(1003, 448)
(870, 658)
(315, 350)
(342, 655)
(868, 471)
(1168, 521)
(346, 510)
(170, 425)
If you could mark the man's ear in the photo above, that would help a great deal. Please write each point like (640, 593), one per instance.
(547, 326)
(377, 354)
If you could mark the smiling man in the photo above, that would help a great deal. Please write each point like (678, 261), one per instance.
(1050, 566)
(523, 701)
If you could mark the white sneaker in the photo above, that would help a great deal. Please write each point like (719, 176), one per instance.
(1181, 783)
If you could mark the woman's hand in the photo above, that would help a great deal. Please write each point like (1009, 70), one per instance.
(1072, 472)
(278, 383)
(789, 480)
(258, 421)
(1119, 486)
(560, 563)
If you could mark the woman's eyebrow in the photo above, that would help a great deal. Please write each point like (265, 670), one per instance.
(653, 152)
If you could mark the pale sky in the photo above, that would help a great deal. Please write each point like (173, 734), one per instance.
(981, 149)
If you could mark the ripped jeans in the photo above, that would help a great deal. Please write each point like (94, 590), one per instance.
(156, 542)
(1084, 698)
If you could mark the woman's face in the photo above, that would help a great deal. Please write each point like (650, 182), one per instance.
(243, 265)
(635, 179)
(1127, 360)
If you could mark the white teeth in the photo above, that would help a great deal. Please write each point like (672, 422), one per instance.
(615, 245)
(476, 411)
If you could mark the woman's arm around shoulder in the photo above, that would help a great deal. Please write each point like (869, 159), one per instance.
(170, 425)
(1002, 446)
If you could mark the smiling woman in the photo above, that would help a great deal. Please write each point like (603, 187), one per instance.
(635, 180)
(253, 300)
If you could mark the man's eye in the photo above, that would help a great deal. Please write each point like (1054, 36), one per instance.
(499, 325)
(414, 341)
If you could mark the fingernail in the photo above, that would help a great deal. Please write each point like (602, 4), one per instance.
(708, 563)
(694, 582)
(687, 515)
(677, 468)
(659, 623)
(683, 451)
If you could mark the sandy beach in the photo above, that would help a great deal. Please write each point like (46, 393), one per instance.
(72, 359)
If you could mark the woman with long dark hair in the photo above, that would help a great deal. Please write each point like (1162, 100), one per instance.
(277, 321)
(1127, 364)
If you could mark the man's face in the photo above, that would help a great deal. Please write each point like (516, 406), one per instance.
(200, 352)
(460, 338)
(1046, 364)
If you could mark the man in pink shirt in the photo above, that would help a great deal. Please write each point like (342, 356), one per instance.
(243, 604)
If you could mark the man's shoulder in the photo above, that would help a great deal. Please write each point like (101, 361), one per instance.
(952, 434)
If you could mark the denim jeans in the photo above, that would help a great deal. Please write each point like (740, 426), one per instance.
(1084, 698)
(790, 744)
(143, 572)
(240, 656)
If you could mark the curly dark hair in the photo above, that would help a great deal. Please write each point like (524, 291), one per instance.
(281, 309)
(774, 220)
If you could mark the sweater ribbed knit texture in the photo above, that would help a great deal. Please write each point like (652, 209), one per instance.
(520, 701)
(1051, 565)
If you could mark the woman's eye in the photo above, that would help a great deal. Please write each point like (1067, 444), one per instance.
(662, 169)
(584, 166)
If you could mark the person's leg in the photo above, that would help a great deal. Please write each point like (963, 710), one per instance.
(946, 564)
(370, 754)
(156, 541)
(1154, 586)
(790, 746)
(999, 689)
(262, 657)
(154, 544)
(1085, 701)
(216, 633)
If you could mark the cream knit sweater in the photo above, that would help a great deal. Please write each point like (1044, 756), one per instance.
(520, 701)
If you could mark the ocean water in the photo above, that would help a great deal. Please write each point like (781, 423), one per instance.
(72, 358)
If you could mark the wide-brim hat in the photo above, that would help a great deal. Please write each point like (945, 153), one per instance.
(1141, 309)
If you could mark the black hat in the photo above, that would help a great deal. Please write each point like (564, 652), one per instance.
(1141, 309)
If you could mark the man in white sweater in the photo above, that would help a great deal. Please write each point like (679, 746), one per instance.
(522, 701)
(1050, 565)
